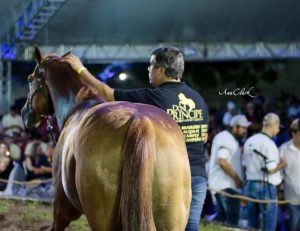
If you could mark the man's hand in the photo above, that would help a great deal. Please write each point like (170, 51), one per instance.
(73, 61)
(282, 161)
(229, 171)
(106, 92)
(279, 166)
(239, 183)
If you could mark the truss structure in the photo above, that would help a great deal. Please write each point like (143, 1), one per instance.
(28, 26)
(192, 51)
(5, 86)
(16, 44)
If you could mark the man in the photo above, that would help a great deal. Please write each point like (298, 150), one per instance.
(261, 158)
(181, 102)
(225, 169)
(12, 123)
(290, 152)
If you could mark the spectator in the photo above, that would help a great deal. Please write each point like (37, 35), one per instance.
(6, 164)
(261, 158)
(29, 147)
(230, 112)
(290, 152)
(253, 117)
(225, 170)
(37, 164)
(12, 123)
(15, 151)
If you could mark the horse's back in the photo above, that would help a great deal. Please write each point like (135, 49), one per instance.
(98, 148)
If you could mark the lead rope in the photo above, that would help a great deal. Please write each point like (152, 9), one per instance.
(50, 127)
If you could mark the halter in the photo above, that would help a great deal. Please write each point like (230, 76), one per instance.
(41, 89)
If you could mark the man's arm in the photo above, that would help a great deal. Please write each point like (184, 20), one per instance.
(278, 167)
(14, 126)
(272, 167)
(103, 89)
(230, 172)
(46, 169)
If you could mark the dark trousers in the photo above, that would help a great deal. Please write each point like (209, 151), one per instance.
(228, 208)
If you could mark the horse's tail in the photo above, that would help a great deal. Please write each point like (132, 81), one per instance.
(133, 205)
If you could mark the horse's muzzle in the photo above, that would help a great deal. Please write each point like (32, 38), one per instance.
(29, 117)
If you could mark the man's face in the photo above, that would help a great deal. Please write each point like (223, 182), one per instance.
(13, 113)
(154, 72)
(241, 131)
(296, 136)
(3, 149)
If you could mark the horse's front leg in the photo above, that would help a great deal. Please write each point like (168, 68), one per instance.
(63, 212)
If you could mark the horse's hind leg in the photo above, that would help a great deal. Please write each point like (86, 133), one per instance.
(64, 212)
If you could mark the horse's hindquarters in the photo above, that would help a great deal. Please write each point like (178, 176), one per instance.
(172, 182)
(103, 138)
(98, 156)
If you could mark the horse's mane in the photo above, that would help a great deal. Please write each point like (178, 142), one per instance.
(86, 98)
(86, 91)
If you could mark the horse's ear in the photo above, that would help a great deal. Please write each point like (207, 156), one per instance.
(66, 54)
(37, 54)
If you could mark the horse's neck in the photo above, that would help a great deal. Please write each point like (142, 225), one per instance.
(62, 108)
(71, 96)
(63, 94)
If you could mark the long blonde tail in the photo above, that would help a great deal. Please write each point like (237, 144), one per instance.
(133, 205)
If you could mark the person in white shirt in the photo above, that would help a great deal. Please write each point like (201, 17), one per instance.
(12, 123)
(225, 169)
(290, 152)
(230, 112)
(261, 159)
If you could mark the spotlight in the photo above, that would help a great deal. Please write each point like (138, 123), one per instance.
(123, 76)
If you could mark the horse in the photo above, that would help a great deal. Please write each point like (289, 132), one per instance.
(123, 165)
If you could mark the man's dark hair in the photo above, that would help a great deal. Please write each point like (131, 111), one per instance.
(13, 107)
(171, 59)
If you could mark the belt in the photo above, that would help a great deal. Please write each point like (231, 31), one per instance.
(260, 181)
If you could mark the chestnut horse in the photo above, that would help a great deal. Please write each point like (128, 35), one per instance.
(123, 165)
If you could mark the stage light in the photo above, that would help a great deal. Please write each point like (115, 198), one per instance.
(123, 76)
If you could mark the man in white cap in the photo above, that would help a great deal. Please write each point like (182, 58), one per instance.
(290, 152)
(225, 169)
(261, 158)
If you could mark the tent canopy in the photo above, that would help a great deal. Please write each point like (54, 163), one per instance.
(119, 22)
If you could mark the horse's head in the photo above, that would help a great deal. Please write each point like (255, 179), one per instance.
(51, 84)
(39, 103)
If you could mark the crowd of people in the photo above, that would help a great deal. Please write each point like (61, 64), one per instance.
(24, 156)
(253, 150)
(260, 165)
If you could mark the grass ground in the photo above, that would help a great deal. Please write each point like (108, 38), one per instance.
(31, 216)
